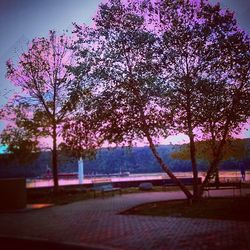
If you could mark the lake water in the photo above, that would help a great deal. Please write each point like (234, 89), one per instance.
(224, 175)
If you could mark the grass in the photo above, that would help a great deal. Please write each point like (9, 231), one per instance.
(212, 208)
(65, 195)
(60, 198)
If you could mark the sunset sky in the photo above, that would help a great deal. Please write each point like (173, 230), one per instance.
(22, 20)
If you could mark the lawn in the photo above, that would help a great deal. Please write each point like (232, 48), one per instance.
(212, 208)
(67, 195)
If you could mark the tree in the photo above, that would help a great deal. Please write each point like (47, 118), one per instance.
(21, 147)
(233, 149)
(126, 78)
(228, 99)
(21, 143)
(81, 138)
(206, 61)
(160, 68)
(182, 42)
(236, 149)
(81, 129)
(43, 77)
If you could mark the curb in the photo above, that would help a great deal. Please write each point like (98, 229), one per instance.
(29, 243)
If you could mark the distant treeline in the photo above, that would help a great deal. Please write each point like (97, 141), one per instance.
(108, 161)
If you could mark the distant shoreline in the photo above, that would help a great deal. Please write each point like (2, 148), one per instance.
(132, 177)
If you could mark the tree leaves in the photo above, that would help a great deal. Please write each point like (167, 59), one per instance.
(21, 145)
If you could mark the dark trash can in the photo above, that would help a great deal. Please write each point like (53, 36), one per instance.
(13, 193)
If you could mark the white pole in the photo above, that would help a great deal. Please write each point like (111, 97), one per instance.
(80, 170)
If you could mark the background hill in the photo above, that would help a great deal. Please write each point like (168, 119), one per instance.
(108, 161)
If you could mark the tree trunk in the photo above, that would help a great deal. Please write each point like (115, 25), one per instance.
(194, 165)
(217, 179)
(210, 171)
(54, 159)
(217, 158)
(166, 169)
(192, 147)
(154, 151)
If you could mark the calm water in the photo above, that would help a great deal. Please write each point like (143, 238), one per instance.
(224, 175)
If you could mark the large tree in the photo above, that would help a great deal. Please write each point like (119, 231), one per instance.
(155, 71)
(182, 43)
(125, 72)
(43, 77)
(205, 58)
(226, 90)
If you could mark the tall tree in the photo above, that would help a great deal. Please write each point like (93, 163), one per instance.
(182, 43)
(226, 90)
(43, 76)
(126, 75)
(206, 61)
(155, 70)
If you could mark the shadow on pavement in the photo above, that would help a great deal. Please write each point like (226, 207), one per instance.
(9, 243)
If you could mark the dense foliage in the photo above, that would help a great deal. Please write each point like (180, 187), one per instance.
(43, 77)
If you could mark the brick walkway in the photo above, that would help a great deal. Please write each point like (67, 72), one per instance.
(97, 223)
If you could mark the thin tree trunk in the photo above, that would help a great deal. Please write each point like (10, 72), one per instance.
(54, 159)
(217, 178)
(166, 169)
(154, 151)
(157, 156)
(210, 171)
(217, 158)
(213, 167)
(194, 165)
(192, 147)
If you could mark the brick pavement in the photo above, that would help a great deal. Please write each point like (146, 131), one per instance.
(97, 223)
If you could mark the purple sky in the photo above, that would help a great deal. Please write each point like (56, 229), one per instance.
(22, 20)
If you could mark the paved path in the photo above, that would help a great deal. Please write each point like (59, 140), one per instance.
(97, 222)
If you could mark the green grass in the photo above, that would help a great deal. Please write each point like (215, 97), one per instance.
(60, 198)
(65, 195)
(212, 208)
